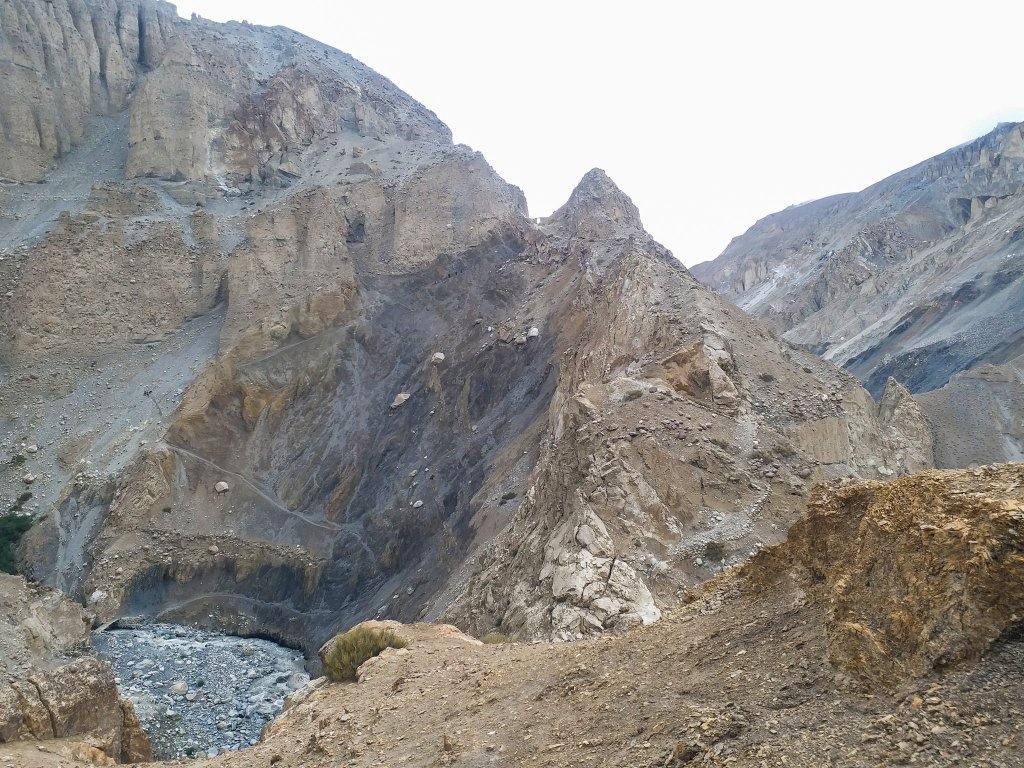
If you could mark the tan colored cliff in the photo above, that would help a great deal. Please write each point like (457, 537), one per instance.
(53, 690)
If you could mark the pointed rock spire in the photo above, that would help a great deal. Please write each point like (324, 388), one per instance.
(597, 208)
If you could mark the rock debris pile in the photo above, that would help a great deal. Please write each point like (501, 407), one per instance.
(200, 693)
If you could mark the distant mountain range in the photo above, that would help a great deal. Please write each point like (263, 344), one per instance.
(919, 277)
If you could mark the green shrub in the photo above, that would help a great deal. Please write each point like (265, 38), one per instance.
(349, 650)
(495, 638)
(17, 460)
(12, 528)
(633, 394)
(714, 550)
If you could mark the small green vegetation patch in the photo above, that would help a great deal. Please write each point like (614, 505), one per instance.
(714, 550)
(495, 638)
(349, 650)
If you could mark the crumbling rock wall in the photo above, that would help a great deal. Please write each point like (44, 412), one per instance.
(919, 573)
(65, 61)
(52, 691)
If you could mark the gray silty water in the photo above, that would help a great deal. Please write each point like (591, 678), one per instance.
(200, 693)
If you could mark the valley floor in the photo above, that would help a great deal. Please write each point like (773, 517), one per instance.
(732, 679)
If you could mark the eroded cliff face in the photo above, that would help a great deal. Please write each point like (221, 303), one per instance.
(681, 435)
(279, 357)
(64, 62)
(918, 574)
(53, 690)
(232, 102)
(917, 277)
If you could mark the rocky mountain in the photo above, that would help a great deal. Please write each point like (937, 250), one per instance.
(918, 277)
(279, 357)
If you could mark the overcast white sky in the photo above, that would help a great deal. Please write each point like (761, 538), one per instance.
(708, 115)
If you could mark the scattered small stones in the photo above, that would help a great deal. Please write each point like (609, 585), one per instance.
(199, 692)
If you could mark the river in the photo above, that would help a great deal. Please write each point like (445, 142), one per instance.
(200, 693)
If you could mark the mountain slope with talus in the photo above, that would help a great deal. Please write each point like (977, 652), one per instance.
(279, 357)
(918, 277)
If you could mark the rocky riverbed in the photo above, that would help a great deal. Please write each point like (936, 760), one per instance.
(197, 692)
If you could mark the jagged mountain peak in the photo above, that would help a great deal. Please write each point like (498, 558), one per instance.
(598, 208)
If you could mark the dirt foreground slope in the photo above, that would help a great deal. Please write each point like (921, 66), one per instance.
(761, 667)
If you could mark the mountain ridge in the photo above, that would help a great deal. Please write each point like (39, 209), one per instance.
(916, 277)
(280, 358)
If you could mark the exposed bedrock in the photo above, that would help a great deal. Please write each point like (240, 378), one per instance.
(918, 277)
(288, 359)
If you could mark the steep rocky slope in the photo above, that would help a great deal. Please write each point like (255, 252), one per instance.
(918, 277)
(279, 357)
(53, 691)
(883, 632)
(978, 415)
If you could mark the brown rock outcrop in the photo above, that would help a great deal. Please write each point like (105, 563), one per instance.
(919, 573)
